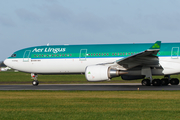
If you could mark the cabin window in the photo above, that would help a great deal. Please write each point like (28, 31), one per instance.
(113, 54)
(70, 54)
(107, 54)
(13, 55)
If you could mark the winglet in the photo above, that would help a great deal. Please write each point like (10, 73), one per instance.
(156, 46)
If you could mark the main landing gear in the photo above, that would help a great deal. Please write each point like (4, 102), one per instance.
(159, 82)
(35, 82)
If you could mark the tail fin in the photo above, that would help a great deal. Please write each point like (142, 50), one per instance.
(155, 46)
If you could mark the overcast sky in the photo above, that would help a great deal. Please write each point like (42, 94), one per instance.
(26, 23)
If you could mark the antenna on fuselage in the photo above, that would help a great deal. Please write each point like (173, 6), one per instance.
(48, 44)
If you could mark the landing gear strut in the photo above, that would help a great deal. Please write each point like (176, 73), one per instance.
(35, 82)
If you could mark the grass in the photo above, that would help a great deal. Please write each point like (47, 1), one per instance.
(84, 105)
(90, 105)
(10, 77)
(25, 78)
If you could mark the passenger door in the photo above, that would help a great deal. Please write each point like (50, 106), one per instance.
(82, 55)
(175, 52)
(26, 56)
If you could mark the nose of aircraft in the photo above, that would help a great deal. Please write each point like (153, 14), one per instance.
(6, 62)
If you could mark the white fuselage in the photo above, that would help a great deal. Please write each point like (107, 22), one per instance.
(61, 66)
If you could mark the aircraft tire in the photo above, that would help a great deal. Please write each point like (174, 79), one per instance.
(35, 82)
(164, 81)
(156, 82)
(174, 81)
(145, 82)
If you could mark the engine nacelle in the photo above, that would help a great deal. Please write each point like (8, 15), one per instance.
(100, 73)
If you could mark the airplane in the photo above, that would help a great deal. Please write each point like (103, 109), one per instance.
(101, 62)
(5, 69)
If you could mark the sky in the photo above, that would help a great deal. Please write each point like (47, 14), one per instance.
(27, 23)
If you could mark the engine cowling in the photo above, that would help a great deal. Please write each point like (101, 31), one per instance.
(100, 73)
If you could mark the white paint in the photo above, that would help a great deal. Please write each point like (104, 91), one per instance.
(169, 65)
(97, 73)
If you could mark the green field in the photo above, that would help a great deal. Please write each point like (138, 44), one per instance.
(90, 105)
(25, 78)
(84, 105)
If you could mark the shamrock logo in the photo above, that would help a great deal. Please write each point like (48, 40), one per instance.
(156, 46)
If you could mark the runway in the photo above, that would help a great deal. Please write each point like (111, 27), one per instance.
(91, 87)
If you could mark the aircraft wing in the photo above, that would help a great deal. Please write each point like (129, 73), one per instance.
(146, 58)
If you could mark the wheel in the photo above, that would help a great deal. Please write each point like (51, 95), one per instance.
(35, 82)
(164, 81)
(174, 81)
(146, 82)
(156, 82)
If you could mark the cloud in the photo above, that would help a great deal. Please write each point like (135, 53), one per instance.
(57, 15)
(165, 21)
(90, 22)
(6, 21)
(52, 1)
(168, 21)
(57, 12)
(27, 15)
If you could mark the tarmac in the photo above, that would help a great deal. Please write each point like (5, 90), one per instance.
(91, 87)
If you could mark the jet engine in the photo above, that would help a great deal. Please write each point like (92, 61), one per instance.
(101, 73)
